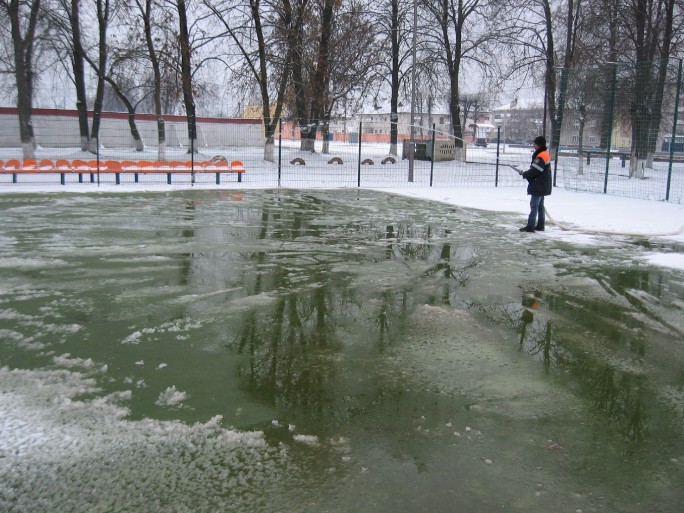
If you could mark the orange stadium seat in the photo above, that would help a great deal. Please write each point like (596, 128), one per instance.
(113, 166)
(12, 166)
(179, 167)
(237, 167)
(146, 166)
(63, 165)
(129, 166)
(46, 166)
(201, 166)
(80, 166)
(29, 166)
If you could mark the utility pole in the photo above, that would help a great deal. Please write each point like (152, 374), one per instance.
(412, 145)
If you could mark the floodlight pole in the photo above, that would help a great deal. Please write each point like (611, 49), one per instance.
(674, 133)
(611, 113)
(412, 145)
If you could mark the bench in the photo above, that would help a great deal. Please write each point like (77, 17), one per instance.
(622, 154)
(219, 167)
(92, 167)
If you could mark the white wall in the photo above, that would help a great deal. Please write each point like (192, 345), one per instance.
(59, 129)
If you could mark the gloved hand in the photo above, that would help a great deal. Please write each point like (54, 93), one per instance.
(518, 169)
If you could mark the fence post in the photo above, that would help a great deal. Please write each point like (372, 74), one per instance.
(498, 142)
(432, 157)
(280, 148)
(674, 132)
(559, 122)
(358, 181)
(97, 153)
(193, 135)
(611, 113)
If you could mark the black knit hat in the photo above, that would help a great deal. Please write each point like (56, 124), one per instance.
(540, 141)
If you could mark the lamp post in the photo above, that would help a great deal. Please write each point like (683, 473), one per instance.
(412, 145)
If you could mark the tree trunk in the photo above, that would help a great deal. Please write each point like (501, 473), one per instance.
(186, 73)
(550, 79)
(300, 94)
(146, 13)
(325, 135)
(308, 138)
(455, 110)
(453, 59)
(641, 120)
(102, 21)
(23, 58)
(135, 133)
(269, 149)
(606, 122)
(613, 29)
(394, 96)
(78, 63)
(580, 170)
(660, 85)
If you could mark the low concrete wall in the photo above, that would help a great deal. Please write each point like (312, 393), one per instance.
(55, 128)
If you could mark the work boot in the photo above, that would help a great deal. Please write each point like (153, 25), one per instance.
(539, 228)
(529, 229)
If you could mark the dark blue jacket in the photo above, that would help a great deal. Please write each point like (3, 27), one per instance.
(539, 175)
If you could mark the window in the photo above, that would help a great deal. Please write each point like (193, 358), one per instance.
(441, 120)
(575, 138)
(592, 139)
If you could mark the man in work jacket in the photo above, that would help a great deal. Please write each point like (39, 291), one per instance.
(540, 185)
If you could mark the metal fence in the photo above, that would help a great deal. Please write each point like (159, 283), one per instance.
(352, 159)
(619, 136)
(620, 132)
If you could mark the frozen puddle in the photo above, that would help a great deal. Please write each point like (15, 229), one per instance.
(347, 351)
(62, 452)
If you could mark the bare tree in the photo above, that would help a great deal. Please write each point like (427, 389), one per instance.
(103, 17)
(395, 23)
(66, 27)
(120, 85)
(144, 9)
(462, 33)
(78, 64)
(651, 32)
(352, 68)
(472, 105)
(23, 50)
(186, 70)
(261, 26)
(639, 36)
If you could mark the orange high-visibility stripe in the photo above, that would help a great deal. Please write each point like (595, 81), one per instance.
(544, 155)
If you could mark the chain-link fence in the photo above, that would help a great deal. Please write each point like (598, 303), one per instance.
(619, 135)
(223, 155)
(620, 131)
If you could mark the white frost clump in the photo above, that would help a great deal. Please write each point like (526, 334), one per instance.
(133, 338)
(56, 443)
(306, 439)
(171, 397)
(66, 361)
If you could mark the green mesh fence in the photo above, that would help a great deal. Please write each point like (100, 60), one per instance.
(233, 154)
(619, 135)
(620, 132)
